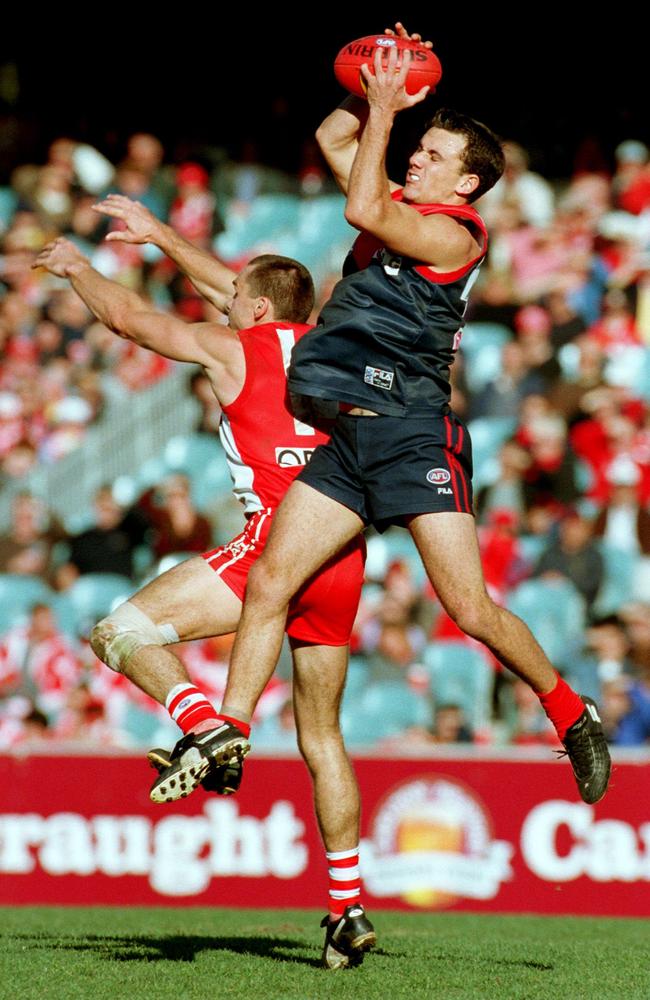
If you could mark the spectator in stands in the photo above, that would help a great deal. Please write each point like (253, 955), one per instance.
(502, 396)
(194, 210)
(26, 547)
(551, 475)
(616, 327)
(566, 322)
(508, 491)
(391, 639)
(525, 720)
(12, 424)
(108, 547)
(17, 463)
(566, 396)
(210, 416)
(605, 657)
(145, 152)
(38, 665)
(176, 524)
(614, 430)
(519, 187)
(624, 523)
(637, 622)
(68, 421)
(503, 562)
(533, 325)
(450, 725)
(83, 720)
(631, 183)
(575, 555)
(625, 711)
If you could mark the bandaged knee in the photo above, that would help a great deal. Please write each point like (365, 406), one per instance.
(126, 630)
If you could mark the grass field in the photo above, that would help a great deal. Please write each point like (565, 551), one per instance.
(156, 954)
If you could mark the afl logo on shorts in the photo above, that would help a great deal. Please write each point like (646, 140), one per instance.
(438, 476)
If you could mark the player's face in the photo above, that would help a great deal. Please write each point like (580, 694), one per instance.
(435, 173)
(241, 306)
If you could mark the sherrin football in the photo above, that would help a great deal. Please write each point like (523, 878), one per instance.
(425, 68)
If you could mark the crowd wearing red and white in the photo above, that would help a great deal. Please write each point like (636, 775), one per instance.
(553, 377)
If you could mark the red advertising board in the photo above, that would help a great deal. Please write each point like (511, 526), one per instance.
(475, 833)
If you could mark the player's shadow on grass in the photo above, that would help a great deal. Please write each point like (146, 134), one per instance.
(171, 947)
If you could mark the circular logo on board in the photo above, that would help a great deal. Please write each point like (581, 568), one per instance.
(438, 476)
(430, 842)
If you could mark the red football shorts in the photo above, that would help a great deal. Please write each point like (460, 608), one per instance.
(324, 609)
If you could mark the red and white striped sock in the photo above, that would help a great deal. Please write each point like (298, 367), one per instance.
(190, 709)
(344, 880)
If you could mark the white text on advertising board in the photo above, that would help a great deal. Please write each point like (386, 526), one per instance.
(179, 854)
(605, 850)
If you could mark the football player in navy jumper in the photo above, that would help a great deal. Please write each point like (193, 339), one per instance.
(379, 361)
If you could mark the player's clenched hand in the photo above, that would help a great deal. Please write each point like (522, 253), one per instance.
(61, 257)
(401, 32)
(385, 88)
(140, 224)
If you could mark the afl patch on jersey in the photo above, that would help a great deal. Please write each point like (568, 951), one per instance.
(378, 377)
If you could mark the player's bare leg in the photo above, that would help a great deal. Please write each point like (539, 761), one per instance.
(198, 604)
(318, 680)
(308, 529)
(449, 548)
(192, 600)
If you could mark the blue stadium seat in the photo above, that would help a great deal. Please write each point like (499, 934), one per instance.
(618, 583)
(357, 677)
(269, 216)
(8, 203)
(488, 434)
(271, 735)
(213, 482)
(96, 594)
(18, 594)
(191, 453)
(66, 614)
(481, 349)
(383, 709)
(397, 544)
(460, 674)
(140, 724)
(532, 547)
(555, 612)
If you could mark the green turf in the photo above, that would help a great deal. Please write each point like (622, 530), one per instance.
(155, 954)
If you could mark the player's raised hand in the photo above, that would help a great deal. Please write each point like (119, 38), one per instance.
(60, 257)
(401, 32)
(140, 224)
(386, 86)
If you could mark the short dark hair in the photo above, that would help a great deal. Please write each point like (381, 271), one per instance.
(286, 282)
(483, 153)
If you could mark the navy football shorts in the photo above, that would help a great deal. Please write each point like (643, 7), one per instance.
(387, 468)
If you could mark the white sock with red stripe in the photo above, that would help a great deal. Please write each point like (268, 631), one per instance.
(190, 709)
(345, 881)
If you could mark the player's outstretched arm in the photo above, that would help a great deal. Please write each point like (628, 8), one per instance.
(212, 279)
(338, 135)
(438, 239)
(131, 316)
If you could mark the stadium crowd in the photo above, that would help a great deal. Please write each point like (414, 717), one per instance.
(553, 377)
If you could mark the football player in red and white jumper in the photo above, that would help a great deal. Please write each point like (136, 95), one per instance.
(267, 305)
